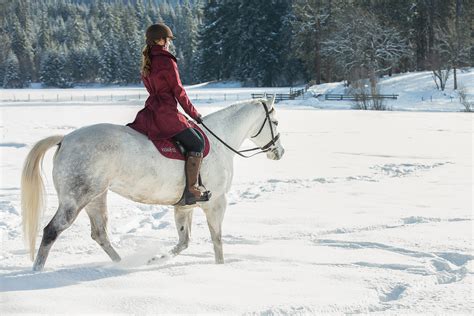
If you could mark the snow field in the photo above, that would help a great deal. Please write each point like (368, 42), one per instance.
(366, 212)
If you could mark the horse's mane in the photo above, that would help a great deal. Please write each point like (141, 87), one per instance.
(234, 107)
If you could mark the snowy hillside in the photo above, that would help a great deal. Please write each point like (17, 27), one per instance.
(416, 92)
(366, 212)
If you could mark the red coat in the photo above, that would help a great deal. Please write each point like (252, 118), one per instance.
(160, 118)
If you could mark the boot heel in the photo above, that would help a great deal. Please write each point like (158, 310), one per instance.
(206, 196)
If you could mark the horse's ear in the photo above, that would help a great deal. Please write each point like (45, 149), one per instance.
(271, 102)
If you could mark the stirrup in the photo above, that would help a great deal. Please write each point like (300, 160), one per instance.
(189, 199)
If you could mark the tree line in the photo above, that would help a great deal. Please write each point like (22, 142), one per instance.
(62, 43)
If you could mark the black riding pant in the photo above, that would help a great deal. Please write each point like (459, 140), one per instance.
(191, 140)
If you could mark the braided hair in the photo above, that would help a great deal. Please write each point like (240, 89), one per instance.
(146, 60)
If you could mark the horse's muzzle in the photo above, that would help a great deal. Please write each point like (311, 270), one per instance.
(276, 154)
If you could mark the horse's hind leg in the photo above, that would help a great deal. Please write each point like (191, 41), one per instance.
(64, 217)
(183, 218)
(97, 211)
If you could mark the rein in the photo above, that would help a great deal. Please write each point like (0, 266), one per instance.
(263, 149)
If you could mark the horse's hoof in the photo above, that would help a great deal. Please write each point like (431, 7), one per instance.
(37, 268)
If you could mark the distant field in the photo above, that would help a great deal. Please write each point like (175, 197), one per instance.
(138, 93)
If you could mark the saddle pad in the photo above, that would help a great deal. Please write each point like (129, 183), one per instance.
(169, 149)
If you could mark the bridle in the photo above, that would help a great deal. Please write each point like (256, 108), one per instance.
(262, 149)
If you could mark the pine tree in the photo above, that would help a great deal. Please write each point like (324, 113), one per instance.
(76, 32)
(21, 46)
(11, 78)
(311, 24)
(5, 50)
(77, 65)
(92, 60)
(257, 44)
(153, 12)
(186, 42)
(109, 64)
(210, 57)
(130, 45)
(54, 71)
(142, 16)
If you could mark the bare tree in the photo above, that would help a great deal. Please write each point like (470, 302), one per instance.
(463, 98)
(440, 67)
(453, 46)
(365, 48)
(362, 44)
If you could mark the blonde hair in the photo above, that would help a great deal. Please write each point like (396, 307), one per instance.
(146, 60)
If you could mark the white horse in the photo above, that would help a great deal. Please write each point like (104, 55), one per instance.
(94, 159)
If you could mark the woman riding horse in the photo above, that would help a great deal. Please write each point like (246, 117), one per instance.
(160, 118)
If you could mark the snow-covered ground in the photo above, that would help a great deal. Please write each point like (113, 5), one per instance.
(366, 212)
(416, 92)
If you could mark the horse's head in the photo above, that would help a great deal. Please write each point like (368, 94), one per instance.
(266, 135)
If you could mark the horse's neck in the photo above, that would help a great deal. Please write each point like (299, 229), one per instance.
(234, 125)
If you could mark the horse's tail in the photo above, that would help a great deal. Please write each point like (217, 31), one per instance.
(32, 190)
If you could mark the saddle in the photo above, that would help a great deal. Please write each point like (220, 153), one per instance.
(174, 150)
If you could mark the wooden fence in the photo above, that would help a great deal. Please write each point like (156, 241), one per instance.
(356, 97)
(90, 97)
(293, 94)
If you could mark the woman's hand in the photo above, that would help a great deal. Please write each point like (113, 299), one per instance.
(198, 119)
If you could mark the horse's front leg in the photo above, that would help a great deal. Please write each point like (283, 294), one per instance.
(183, 217)
(214, 210)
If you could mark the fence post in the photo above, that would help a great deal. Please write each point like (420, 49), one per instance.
(28, 97)
(71, 97)
(224, 97)
(57, 97)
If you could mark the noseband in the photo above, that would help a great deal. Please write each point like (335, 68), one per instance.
(262, 149)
